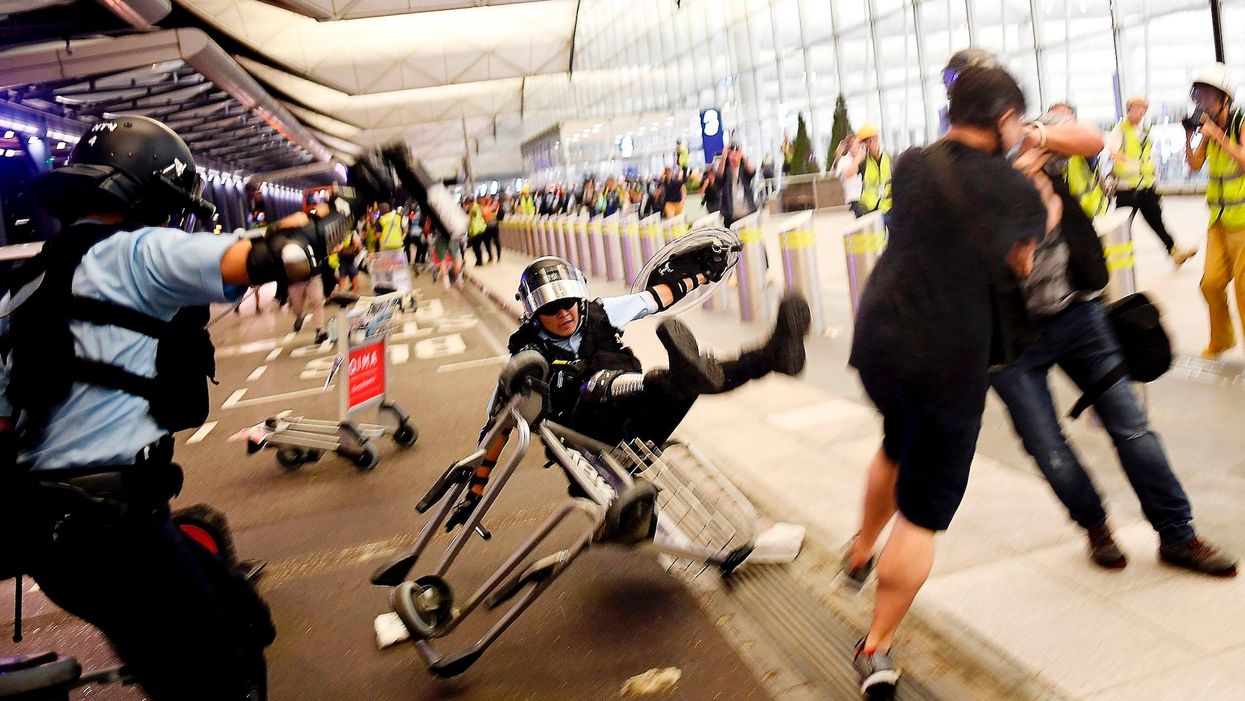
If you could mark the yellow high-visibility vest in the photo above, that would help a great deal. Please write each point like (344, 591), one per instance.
(1085, 186)
(1129, 176)
(1225, 192)
(877, 184)
(390, 231)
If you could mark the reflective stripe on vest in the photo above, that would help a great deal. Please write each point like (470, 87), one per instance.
(1130, 177)
(877, 184)
(1225, 192)
(391, 232)
(1084, 185)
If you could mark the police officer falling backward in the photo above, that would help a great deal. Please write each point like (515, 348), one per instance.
(104, 355)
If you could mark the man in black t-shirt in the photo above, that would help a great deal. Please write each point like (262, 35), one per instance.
(931, 322)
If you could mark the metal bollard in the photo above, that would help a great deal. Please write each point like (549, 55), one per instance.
(628, 247)
(596, 245)
(678, 226)
(613, 246)
(650, 237)
(798, 242)
(1117, 243)
(559, 237)
(584, 248)
(753, 302)
(542, 246)
(718, 301)
(863, 243)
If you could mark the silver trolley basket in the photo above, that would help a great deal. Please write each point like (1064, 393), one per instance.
(362, 327)
(670, 499)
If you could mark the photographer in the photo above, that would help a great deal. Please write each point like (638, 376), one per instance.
(1220, 145)
(105, 355)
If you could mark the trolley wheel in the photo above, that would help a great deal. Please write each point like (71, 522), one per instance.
(367, 459)
(291, 458)
(405, 435)
(424, 605)
(208, 528)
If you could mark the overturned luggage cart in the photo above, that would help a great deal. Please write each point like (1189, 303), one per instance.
(670, 499)
(362, 329)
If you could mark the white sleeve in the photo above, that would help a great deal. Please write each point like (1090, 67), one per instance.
(628, 308)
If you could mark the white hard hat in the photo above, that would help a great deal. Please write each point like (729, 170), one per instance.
(1216, 75)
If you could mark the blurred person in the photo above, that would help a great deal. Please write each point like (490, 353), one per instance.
(875, 195)
(1080, 172)
(494, 214)
(476, 228)
(655, 200)
(1132, 156)
(348, 262)
(1220, 126)
(936, 312)
(738, 200)
(673, 194)
(389, 267)
(788, 153)
(959, 62)
(682, 158)
(307, 297)
(848, 157)
(710, 193)
(767, 166)
(1071, 330)
(526, 206)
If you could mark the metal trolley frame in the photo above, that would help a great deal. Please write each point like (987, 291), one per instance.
(362, 327)
(670, 499)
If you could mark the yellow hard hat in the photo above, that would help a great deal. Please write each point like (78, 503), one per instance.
(866, 131)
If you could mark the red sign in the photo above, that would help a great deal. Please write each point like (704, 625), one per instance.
(365, 373)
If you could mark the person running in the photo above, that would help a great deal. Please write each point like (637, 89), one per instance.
(930, 324)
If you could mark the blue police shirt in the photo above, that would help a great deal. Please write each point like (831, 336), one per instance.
(621, 311)
(156, 271)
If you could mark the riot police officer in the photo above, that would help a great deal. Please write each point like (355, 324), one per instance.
(105, 354)
(598, 386)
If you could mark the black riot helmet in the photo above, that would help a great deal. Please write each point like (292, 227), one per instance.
(131, 165)
(549, 280)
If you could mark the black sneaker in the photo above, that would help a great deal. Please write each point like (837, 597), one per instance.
(1103, 549)
(877, 672)
(1199, 556)
(855, 578)
(784, 351)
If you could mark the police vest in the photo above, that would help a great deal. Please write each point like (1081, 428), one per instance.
(600, 348)
(1129, 176)
(1085, 186)
(40, 350)
(1225, 192)
(877, 184)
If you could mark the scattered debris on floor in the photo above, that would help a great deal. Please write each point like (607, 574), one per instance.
(654, 681)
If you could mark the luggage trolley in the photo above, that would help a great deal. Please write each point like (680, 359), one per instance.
(362, 328)
(668, 498)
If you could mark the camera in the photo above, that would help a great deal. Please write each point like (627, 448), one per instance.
(1194, 121)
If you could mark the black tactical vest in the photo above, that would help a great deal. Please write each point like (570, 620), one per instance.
(39, 346)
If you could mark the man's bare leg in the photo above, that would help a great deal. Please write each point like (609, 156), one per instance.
(902, 569)
(879, 507)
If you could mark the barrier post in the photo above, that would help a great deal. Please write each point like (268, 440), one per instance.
(1117, 244)
(798, 242)
(718, 301)
(596, 245)
(753, 303)
(582, 243)
(678, 227)
(650, 238)
(559, 237)
(863, 243)
(542, 243)
(613, 246)
(628, 245)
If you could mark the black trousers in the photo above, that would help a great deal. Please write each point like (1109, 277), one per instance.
(476, 242)
(1147, 202)
(188, 627)
(492, 242)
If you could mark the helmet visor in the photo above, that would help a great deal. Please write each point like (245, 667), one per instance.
(551, 283)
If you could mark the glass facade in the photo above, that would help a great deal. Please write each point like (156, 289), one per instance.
(764, 62)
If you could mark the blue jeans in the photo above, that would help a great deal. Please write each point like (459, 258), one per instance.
(1081, 343)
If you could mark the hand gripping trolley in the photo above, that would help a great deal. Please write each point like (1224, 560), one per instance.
(670, 498)
(362, 327)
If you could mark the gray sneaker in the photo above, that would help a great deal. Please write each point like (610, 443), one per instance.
(877, 672)
(1199, 556)
(855, 578)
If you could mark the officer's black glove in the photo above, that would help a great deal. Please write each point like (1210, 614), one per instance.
(714, 260)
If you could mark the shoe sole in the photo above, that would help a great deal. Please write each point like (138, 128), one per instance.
(679, 340)
(794, 313)
(1223, 574)
(880, 685)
